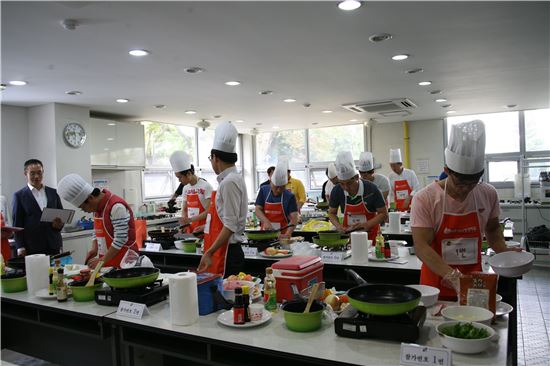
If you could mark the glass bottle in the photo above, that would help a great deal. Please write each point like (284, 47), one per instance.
(246, 302)
(270, 293)
(238, 307)
(61, 289)
(51, 287)
(379, 249)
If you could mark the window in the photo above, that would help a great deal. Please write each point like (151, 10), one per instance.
(316, 178)
(537, 130)
(158, 184)
(271, 145)
(502, 171)
(161, 140)
(326, 143)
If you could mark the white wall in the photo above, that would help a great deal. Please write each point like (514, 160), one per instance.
(121, 183)
(248, 165)
(42, 140)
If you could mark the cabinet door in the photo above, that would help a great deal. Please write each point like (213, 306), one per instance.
(81, 245)
(103, 135)
(130, 145)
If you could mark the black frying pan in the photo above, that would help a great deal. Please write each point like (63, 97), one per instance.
(382, 299)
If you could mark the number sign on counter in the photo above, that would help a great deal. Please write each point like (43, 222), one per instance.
(250, 251)
(415, 355)
(132, 309)
(153, 247)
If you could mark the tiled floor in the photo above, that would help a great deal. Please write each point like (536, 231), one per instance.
(534, 318)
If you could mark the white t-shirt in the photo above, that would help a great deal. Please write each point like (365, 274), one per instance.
(203, 189)
(408, 175)
(382, 182)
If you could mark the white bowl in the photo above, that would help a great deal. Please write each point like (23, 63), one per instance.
(461, 345)
(179, 244)
(229, 289)
(498, 299)
(512, 264)
(468, 314)
(429, 294)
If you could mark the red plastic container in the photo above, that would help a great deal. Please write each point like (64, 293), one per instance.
(304, 271)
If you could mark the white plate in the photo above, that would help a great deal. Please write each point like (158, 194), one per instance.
(278, 255)
(226, 318)
(503, 309)
(374, 259)
(44, 294)
(75, 269)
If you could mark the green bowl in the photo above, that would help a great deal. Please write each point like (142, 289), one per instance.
(329, 235)
(337, 242)
(298, 321)
(81, 293)
(190, 247)
(14, 283)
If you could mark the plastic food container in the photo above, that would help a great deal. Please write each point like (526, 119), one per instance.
(303, 271)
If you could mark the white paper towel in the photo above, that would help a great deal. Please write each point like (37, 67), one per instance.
(395, 221)
(360, 246)
(184, 302)
(36, 266)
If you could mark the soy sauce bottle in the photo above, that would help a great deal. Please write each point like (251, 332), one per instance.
(238, 307)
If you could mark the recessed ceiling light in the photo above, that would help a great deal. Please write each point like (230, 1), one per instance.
(18, 82)
(266, 92)
(349, 5)
(110, 139)
(122, 100)
(451, 112)
(441, 100)
(510, 105)
(217, 116)
(400, 57)
(375, 38)
(73, 92)
(326, 111)
(139, 53)
(239, 121)
(276, 127)
(289, 100)
(425, 83)
(193, 70)
(233, 83)
(111, 124)
(160, 106)
(414, 71)
(446, 105)
(190, 112)
(434, 92)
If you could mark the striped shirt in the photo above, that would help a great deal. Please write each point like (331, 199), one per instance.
(120, 217)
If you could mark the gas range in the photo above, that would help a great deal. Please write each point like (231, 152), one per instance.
(148, 295)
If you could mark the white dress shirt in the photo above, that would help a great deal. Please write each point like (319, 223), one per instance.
(39, 196)
(232, 203)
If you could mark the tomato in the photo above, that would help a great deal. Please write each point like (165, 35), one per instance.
(344, 298)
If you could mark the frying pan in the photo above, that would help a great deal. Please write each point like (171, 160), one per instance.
(131, 277)
(159, 235)
(264, 234)
(382, 299)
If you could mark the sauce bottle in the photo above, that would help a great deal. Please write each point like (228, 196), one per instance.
(238, 307)
(61, 289)
(270, 293)
(246, 302)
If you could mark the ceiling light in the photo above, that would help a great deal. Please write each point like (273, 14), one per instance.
(510, 105)
(239, 121)
(193, 70)
(289, 100)
(276, 127)
(73, 92)
(259, 124)
(433, 92)
(425, 83)
(266, 92)
(451, 112)
(400, 57)
(414, 71)
(375, 38)
(232, 83)
(326, 111)
(18, 82)
(353, 120)
(106, 149)
(218, 116)
(111, 124)
(315, 123)
(190, 112)
(349, 5)
(122, 100)
(139, 53)
(110, 139)
(441, 100)
(160, 106)
(446, 105)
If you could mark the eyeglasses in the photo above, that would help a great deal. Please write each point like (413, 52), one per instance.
(210, 157)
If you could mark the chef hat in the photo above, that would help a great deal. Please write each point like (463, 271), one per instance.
(366, 162)
(395, 156)
(465, 153)
(180, 161)
(74, 189)
(225, 138)
(332, 171)
(280, 174)
(345, 166)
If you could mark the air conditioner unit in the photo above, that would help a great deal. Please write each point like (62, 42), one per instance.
(381, 106)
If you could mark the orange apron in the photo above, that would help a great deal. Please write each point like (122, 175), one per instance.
(359, 213)
(194, 208)
(275, 213)
(212, 229)
(6, 250)
(401, 190)
(458, 242)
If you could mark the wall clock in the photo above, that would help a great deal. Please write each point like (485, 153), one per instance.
(74, 135)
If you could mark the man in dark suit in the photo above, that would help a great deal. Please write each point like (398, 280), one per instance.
(28, 203)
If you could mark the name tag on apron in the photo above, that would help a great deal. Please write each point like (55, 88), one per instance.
(356, 219)
(101, 246)
(207, 224)
(276, 225)
(401, 195)
(192, 211)
(459, 250)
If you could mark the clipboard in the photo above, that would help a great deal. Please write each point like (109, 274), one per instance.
(11, 229)
(49, 214)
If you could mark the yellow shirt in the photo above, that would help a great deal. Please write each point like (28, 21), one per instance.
(297, 187)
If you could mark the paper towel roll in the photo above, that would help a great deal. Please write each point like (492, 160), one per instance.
(36, 266)
(184, 302)
(359, 246)
(395, 221)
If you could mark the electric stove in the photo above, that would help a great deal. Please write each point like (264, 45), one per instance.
(405, 327)
(148, 295)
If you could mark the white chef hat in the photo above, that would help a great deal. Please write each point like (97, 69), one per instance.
(465, 153)
(345, 166)
(74, 189)
(366, 162)
(225, 138)
(395, 156)
(280, 174)
(332, 171)
(180, 161)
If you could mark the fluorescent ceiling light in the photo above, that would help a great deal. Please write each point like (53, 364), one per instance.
(239, 121)
(326, 111)
(349, 5)
(289, 100)
(353, 120)
(451, 112)
(111, 124)
(425, 83)
(190, 112)
(400, 57)
(233, 83)
(110, 138)
(139, 53)
(122, 100)
(18, 82)
(276, 127)
(73, 92)
(441, 100)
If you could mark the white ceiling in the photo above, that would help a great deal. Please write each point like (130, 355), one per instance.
(483, 55)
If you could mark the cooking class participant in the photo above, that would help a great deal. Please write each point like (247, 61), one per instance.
(366, 171)
(114, 226)
(28, 203)
(196, 192)
(330, 182)
(226, 220)
(269, 173)
(449, 217)
(276, 206)
(403, 182)
(360, 201)
(297, 187)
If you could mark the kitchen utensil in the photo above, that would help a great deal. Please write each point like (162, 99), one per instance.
(512, 264)
(329, 235)
(94, 274)
(461, 345)
(429, 294)
(265, 234)
(308, 291)
(15, 282)
(335, 242)
(131, 277)
(503, 309)
(382, 299)
(468, 314)
(299, 321)
(312, 297)
(82, 292)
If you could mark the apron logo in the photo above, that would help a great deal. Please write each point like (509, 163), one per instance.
(470, 229)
